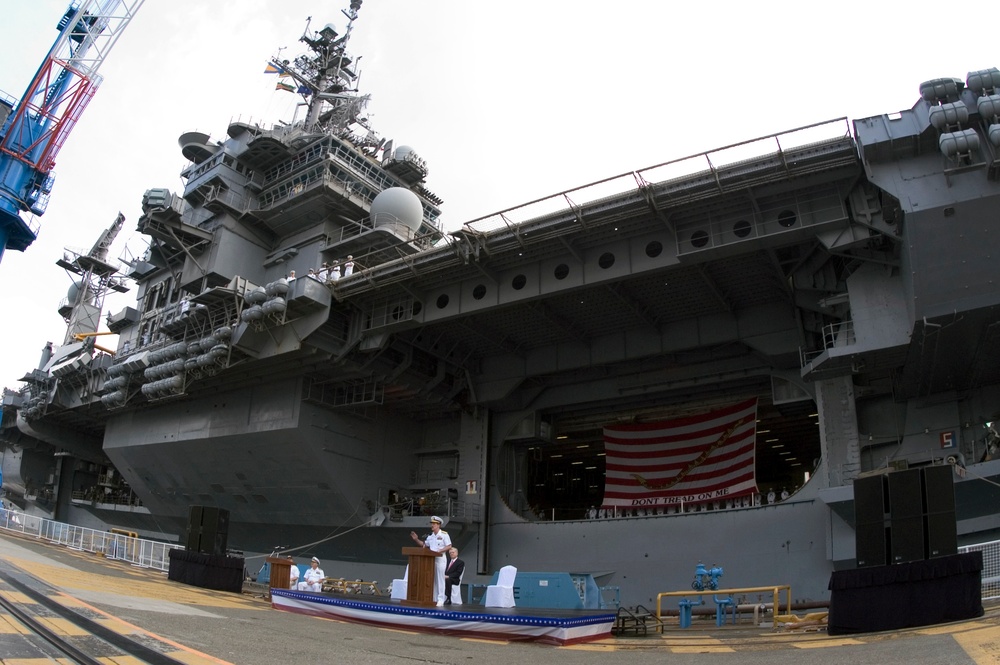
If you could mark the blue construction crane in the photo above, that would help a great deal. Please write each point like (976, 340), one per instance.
(34, 128)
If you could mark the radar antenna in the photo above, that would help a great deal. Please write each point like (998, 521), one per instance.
(100, 249)
(94, 278)
(326, 78)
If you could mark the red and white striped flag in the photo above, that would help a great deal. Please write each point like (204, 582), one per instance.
(709, 457)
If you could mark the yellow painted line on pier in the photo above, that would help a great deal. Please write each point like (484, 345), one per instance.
(10, 626)
(150, 585)
(191, 655)
(114, 625)
(62, 627)
(121, 660)
(833, 642)
(17, 598)
(948, 629)
(597, 645)
(691, 641)
(190, 658)
(395, 630)
(695, 644)
(702, 649)
(686, 636)
(69, 602)
(982, 645)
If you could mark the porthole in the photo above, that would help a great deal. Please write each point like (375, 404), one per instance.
(518, 282)
(479, 292)
(397, 313)
(654, 249)
(417, 307)
(699, 238)
(442, 301)
(606, 260)
(561, 271)
(786, 218)
(742, 228)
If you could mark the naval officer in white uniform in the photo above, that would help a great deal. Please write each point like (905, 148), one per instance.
(313, 578)
(437, 541)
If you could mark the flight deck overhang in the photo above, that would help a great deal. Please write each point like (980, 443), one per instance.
(807, 185)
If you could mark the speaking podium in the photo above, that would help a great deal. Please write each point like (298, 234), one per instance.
(280, 572)
(420, 580)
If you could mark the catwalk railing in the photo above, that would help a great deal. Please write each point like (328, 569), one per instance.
(117, 546)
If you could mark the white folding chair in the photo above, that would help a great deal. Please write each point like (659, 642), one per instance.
(456, 590)
(501, 594)
(399, 586)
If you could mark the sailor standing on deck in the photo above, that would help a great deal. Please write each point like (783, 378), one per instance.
(437, 541)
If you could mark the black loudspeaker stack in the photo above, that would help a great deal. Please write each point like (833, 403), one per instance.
(871, 517)
(941, 525)
(207, 530)
(905, 516)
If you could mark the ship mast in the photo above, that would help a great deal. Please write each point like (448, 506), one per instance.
(95, 278)
(325, 77)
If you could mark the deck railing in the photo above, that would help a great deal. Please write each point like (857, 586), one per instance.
(137, 551)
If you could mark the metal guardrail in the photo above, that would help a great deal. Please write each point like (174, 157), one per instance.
(712, 163)
(991, 567)
(136, 551)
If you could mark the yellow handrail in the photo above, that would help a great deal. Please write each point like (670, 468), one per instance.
(775, 591)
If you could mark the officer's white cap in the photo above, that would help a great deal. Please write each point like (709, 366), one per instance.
(436, 519)
(315, 560)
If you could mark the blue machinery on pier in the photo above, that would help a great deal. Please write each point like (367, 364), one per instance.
(723, 599)
(707, 579)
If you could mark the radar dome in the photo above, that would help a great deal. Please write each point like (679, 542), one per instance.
(73, 292)
(401, 152)
(397, 205)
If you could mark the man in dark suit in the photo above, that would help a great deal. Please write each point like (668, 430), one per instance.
(452, 573)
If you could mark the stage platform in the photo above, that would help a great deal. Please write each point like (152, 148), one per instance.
(548, 626)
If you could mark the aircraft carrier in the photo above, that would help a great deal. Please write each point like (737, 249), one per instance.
(311, 352)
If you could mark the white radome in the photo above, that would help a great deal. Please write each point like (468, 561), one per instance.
(397, 205)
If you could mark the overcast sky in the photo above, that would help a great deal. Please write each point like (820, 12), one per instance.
(506, 101)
